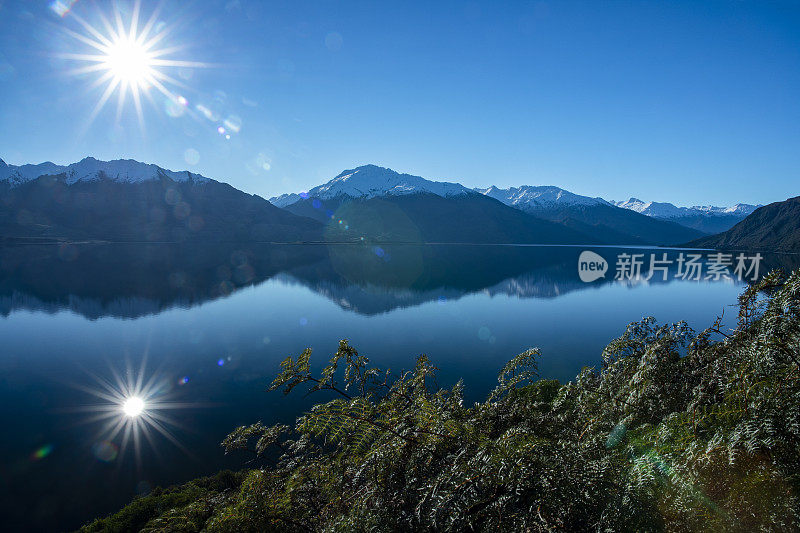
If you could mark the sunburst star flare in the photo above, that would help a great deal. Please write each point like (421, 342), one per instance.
(127, 57)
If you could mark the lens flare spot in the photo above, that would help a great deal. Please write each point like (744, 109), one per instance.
(42, 452)
(233, 123)
(616, 435)
(62, 8)
(206, 112)
(264, 162)
(334, 41)
(191, 156)
(173, 107)
(105, 451)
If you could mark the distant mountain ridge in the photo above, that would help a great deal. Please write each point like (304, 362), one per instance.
(544, 196)
(125, 200)
(129, 201)
(773, 227)
(706, 218)
(597, 220)
(91, 169)
(590, 215)
(370, 181)
(378, 204)
(667, 210)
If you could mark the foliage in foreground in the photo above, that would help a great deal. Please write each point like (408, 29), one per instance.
(678, 431)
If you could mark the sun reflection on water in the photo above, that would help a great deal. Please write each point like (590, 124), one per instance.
(131, 409)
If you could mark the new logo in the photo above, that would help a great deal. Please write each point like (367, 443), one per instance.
(591, 266)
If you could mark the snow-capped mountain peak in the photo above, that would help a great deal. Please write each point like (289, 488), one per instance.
(91, 169)
(539, 196)
(634, 204)
(369, 181)
(654, 209)
(668, 210)
(737, 209)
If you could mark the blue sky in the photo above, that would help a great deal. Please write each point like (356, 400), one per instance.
(687, 102)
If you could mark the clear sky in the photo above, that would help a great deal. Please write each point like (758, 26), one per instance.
(687, 102)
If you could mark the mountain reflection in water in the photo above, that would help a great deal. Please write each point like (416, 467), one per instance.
(134, 280)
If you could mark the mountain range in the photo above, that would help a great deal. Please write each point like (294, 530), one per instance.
(591, 216)
(595, 219)
(706, 218)
(125, 200)
(773, 227)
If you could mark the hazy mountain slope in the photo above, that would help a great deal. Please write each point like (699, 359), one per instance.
(318, 209)
(773, 227)
(426, 217)
(668, 210)
(705, 218)
(593, 216)
(145, 204)
(709, 224)
(607, 221)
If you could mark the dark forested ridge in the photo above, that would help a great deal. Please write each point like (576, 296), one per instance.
(774, 227)
(614, 224)
(477, 218)
(424, 217)
(677, 431)
(709, 224)
(148, 211)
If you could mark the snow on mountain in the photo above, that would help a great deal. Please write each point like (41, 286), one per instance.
(90, 169)
(20, 174)
(738, 209)
(667, 210)
(653, 209)
(529, 197)
(370, 181)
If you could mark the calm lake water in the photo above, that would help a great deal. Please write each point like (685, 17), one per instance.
(206, 326)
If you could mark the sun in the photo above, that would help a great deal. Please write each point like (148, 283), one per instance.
(129, 62)
(127, 55)
(133, 406)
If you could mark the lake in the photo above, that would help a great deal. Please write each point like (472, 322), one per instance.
(203, 329)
